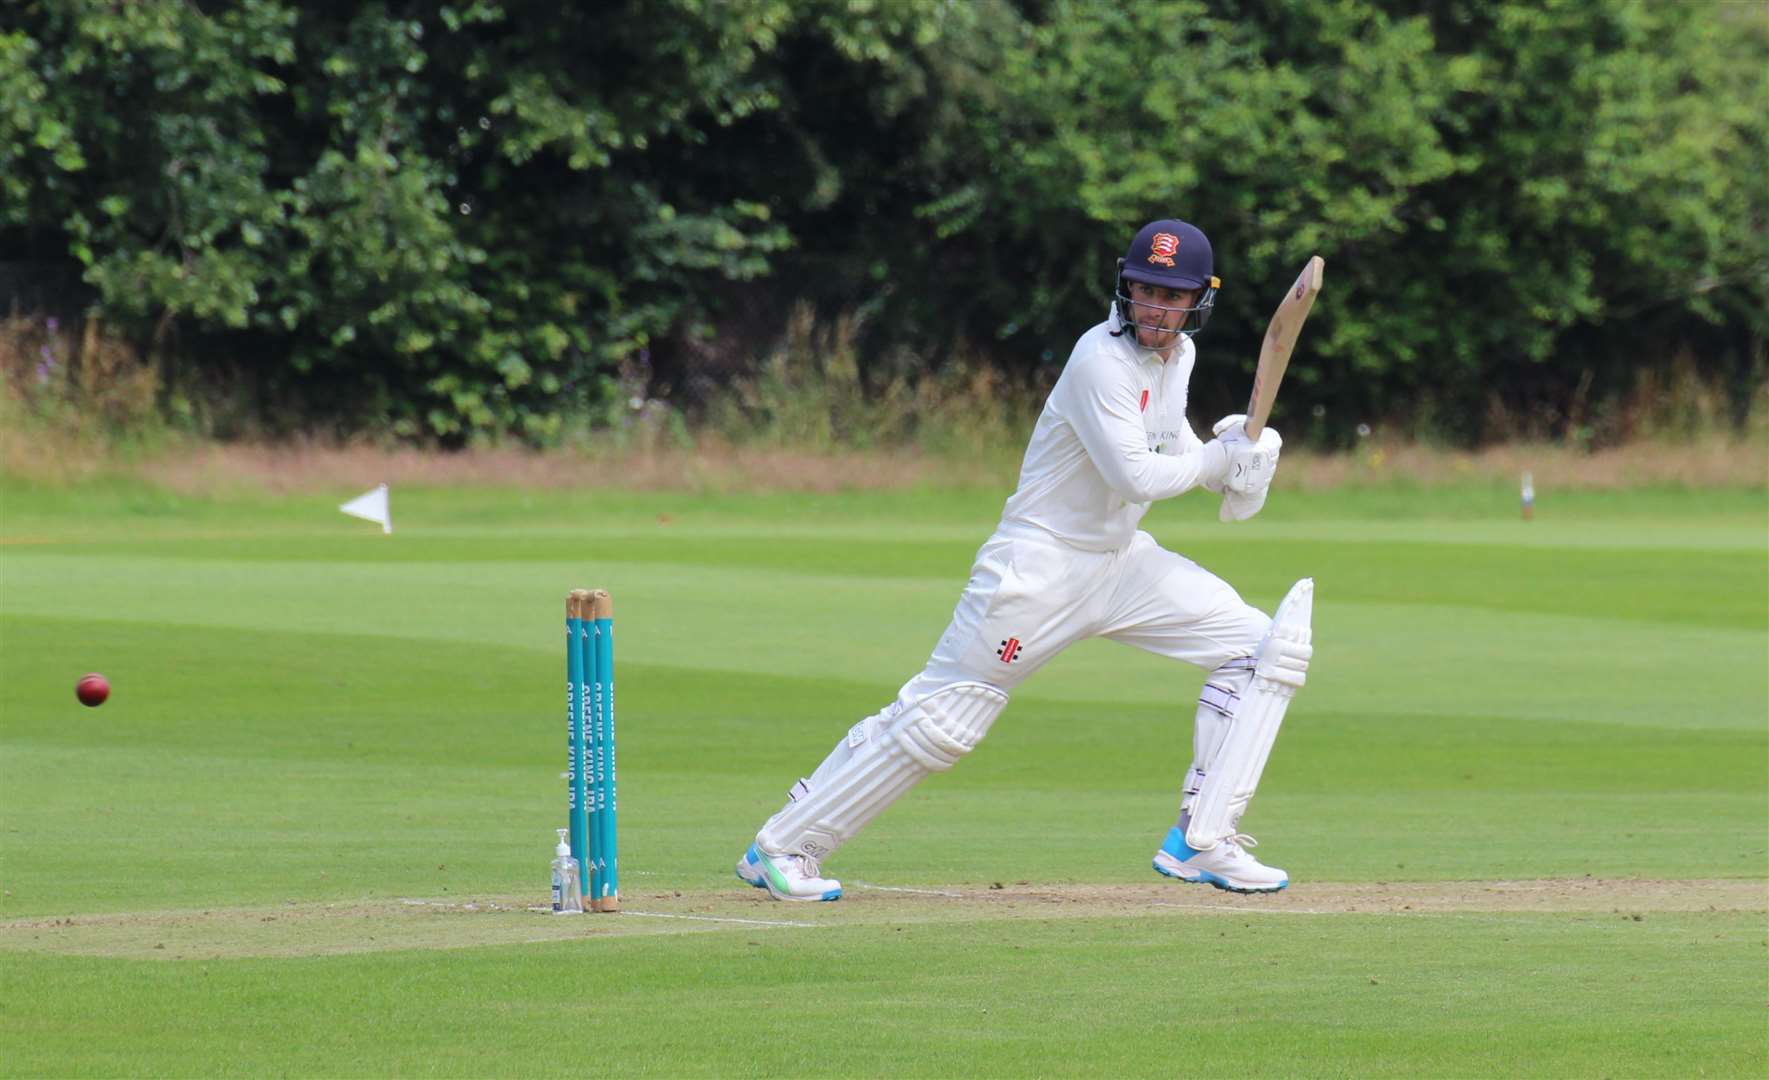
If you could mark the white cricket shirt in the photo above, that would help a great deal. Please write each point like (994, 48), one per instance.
(1112, 439)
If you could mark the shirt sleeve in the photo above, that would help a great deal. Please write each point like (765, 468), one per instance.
(1104, 409)
(1188, 439)
(1189, 443)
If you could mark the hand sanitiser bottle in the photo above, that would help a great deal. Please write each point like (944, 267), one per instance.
(568, 897)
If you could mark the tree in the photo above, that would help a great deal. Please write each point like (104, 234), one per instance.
(460, 223)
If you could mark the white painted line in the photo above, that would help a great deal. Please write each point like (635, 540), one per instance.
(712, 918)
(899, 888)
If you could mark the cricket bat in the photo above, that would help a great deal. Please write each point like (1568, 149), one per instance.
(1280, 339)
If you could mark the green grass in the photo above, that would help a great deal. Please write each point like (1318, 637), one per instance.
(307, 713)
(1345, 996)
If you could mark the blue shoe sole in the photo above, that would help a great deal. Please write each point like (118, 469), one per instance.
(1205, 877)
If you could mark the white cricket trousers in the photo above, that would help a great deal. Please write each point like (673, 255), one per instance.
(1030, 596)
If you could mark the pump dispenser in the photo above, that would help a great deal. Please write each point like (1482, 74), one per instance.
(568, 898)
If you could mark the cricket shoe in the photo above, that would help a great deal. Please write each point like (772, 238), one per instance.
(1226, 866)
(786, 877)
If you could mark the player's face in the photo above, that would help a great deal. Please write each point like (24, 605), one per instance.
(1160, 307)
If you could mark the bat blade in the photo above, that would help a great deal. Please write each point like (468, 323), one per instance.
(1280, 340)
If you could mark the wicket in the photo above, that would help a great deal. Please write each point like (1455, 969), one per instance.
(590, 773)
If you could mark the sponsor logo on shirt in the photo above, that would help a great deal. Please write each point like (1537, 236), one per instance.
(1161, 439)
(1144, 405)
(1009, 651)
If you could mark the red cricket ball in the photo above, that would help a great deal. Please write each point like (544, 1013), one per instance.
(92, 689)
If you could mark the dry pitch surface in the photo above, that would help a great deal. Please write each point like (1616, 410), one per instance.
(372, 926)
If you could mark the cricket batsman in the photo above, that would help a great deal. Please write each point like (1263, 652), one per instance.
(1068, 562)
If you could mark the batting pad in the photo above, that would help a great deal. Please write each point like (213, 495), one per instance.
(928, 736)
(1234, 774)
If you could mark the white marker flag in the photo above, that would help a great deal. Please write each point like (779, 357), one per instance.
(371, 506)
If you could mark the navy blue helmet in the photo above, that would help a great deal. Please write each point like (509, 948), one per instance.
(1174, 255)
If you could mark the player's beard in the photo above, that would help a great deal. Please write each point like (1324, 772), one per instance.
(1159, 340)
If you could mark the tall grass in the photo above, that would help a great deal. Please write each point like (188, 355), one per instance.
(1675, 402)
(73, 397)
(1681, 403)
(808, 393)
(811, 414)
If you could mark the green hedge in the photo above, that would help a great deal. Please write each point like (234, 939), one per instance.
(457, 223)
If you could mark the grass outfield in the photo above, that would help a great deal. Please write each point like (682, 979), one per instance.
(1524, 799)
